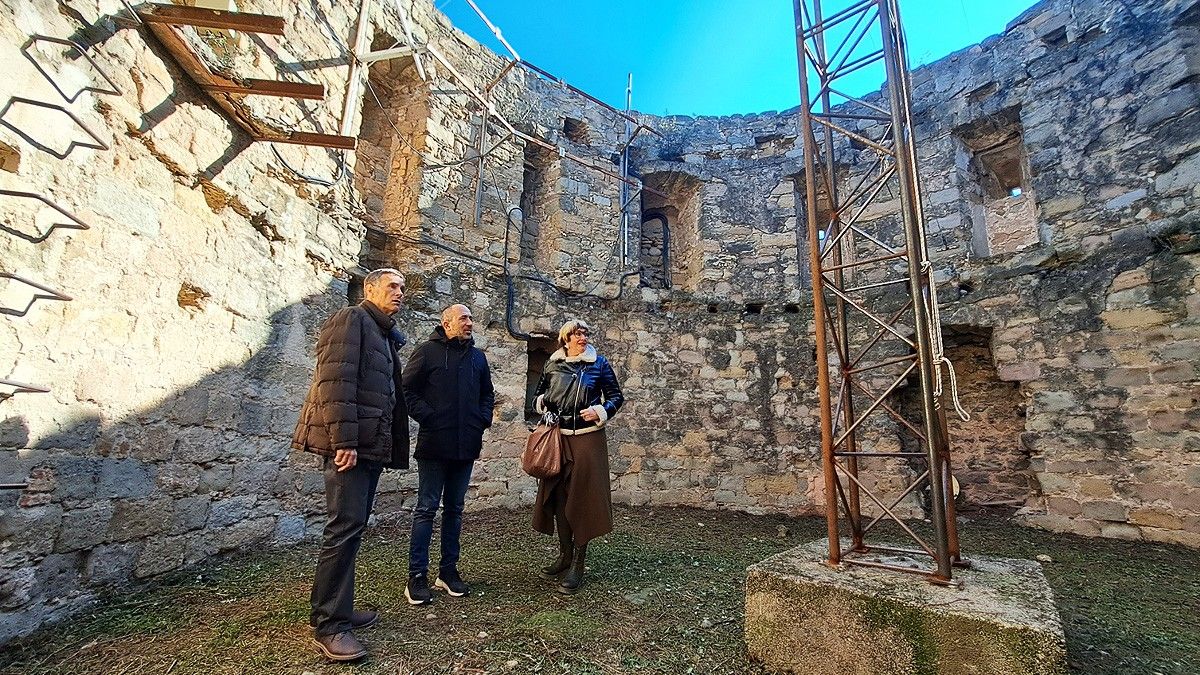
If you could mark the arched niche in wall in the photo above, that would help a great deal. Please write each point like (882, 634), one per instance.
(392, 138)
(542, 222)
(994, 175)
(539, 350)
(824, 215)
(655, 248)
(671, 249)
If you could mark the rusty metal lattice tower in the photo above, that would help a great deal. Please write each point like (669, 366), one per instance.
(874, 298)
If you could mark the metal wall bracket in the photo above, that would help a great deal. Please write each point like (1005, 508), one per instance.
(20, 388)
(75, 224)
(46, 293)
(99, 143)
(112, 89)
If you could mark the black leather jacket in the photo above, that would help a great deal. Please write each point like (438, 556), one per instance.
(568, 387)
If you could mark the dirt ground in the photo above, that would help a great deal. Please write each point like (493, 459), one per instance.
(663, 594)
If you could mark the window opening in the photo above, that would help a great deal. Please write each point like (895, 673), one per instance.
(540, 350)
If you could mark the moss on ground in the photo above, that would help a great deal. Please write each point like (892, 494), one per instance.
(664, 594)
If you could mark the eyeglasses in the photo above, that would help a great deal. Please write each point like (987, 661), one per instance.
(582, 332)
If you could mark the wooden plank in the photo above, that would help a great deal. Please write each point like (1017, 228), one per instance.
(179, 15)
(188, 61)
(311, 138)
(395, 52)
(354, 78)
(281, 88)
(222, 91)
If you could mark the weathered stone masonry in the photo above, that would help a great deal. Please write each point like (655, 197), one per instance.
(1060, 161)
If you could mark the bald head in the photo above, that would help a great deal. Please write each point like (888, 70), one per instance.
(457, 322)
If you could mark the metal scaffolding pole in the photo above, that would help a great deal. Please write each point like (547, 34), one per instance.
(884, 331)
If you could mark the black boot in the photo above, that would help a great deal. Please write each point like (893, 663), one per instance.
(574, 576)
(565, 549)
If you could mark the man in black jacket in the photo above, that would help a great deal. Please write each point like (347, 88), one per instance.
(355, 417)
(449, 391)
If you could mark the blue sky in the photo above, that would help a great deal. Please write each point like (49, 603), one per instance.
(700, 57)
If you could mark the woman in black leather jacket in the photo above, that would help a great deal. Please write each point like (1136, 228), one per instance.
(581, 388)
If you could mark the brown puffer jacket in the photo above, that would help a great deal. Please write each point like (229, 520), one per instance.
(355, 400)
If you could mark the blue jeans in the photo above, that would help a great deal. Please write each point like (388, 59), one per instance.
(442, 481)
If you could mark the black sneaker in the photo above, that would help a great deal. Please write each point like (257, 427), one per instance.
(449, 581)
(417, 590)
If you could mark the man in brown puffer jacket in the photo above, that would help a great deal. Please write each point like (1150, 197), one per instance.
(356, 418)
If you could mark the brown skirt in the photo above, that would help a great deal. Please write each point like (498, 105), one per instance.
(582, 486)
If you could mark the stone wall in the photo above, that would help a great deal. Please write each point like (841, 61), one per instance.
(1060, 162)
(1059, 167)
(176, 371)
(1060, 195)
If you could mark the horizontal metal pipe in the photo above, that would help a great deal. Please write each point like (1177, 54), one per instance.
(865, 261)
(826, 24)
(877, 284)
(881, 364)
(867, 453)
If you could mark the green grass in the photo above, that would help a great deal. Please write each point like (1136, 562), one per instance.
(664, 594)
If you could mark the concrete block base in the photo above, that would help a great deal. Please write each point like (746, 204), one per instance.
(805, 617)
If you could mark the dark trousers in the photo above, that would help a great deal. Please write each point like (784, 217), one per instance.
(442, 481)
(348, 498)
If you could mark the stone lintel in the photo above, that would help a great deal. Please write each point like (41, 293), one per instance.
(803, 616)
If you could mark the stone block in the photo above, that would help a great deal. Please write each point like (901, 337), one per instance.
(136, 519)
(30, 530)
(229, 511)
(190, 513)
(84, 528)
(289, 529)
(254, 477)
(1120, 531)
(18, 586)
(1105, 510)
(59, 574)
(124, 478)
(158, 555)
(1151, 517)
(805, 617)
(111, 564)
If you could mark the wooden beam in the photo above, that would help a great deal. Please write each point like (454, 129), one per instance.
(355, 75)
(225, 92)
(281, 88)
(310, 138)
(383, 54)
(179, 15)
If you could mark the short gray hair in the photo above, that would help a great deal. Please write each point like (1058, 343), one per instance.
(373, 277)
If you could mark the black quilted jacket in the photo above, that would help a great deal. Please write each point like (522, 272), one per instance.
(355, 400)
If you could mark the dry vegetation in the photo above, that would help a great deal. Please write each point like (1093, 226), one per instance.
(664, 595)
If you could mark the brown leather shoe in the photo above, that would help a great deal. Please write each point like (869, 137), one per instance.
(361, 618)
(340, 646)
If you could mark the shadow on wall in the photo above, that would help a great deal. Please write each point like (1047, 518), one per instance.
(206, 471)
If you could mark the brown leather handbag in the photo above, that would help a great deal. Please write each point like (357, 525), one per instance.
(542, 457)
